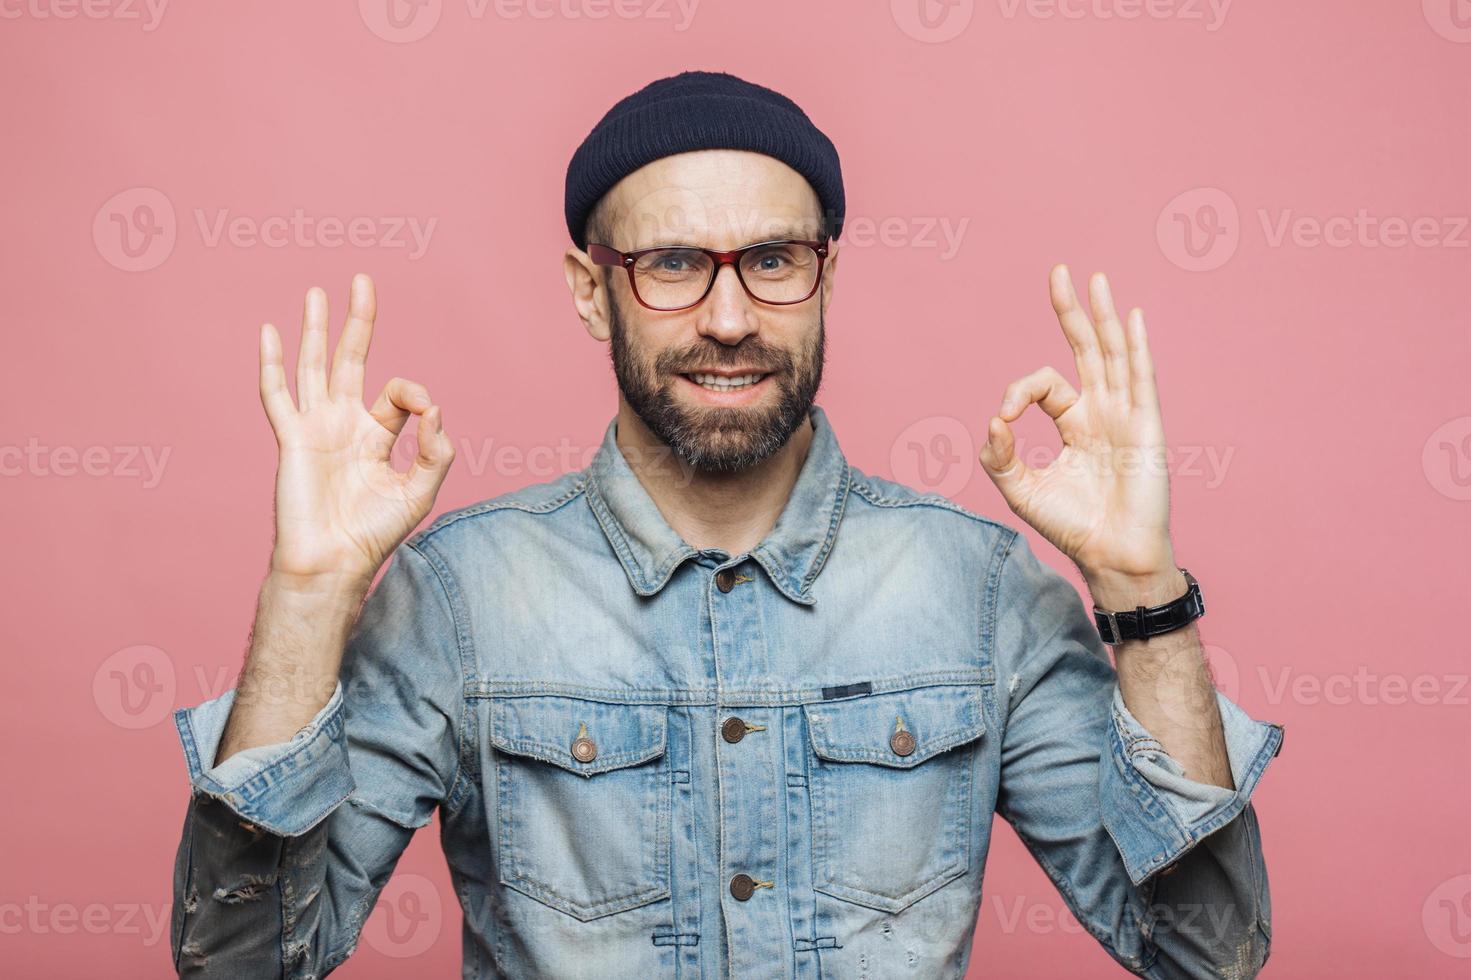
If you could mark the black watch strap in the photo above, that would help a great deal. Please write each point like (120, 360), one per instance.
(1143, 622)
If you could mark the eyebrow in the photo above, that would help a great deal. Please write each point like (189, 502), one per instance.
(778, 234)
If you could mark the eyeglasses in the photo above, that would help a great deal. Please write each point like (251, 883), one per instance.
(677, 277)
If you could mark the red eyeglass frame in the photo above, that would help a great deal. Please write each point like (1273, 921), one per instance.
(606, 255)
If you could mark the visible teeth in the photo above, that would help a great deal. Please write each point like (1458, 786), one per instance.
(721, 383)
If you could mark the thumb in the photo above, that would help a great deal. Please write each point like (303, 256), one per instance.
(999, 459)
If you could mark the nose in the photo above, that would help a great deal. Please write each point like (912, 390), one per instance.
(728, 313)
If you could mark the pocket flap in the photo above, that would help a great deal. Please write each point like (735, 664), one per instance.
(581, 736)
(867, 729)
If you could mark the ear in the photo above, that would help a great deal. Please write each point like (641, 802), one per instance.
(588, 286)
(829, 273)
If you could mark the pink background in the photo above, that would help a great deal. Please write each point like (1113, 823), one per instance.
(1313, 374)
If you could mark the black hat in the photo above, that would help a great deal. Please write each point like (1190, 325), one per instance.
(700, 110)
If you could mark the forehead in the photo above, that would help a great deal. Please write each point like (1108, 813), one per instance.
(716, 198)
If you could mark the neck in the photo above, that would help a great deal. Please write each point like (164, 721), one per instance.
(730, 511)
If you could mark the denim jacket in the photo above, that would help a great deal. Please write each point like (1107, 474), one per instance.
(654, 761)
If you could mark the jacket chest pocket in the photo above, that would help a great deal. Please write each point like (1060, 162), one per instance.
(890, 782)
(583, 799)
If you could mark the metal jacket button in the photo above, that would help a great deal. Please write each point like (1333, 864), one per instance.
(742, 887)
(902, 742)
(725, 580)
(733, 730)
(584, 749)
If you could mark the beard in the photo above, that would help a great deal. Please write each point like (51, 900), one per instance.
(707, 438)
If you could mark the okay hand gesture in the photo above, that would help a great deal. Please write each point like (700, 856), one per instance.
(341, 507)
(1105, 500)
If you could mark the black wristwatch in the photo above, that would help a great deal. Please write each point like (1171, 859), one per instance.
(1142, 622)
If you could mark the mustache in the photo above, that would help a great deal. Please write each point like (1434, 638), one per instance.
(749, 353)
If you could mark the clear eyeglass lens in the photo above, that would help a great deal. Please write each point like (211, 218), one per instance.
(678, 277)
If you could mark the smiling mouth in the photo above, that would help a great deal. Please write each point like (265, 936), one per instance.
(721, 382)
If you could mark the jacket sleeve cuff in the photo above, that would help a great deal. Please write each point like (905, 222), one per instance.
(1153, 812)
(286, 789)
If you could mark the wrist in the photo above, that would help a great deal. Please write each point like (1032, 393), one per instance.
(302, 624)
(333, 587)
(1119, 591)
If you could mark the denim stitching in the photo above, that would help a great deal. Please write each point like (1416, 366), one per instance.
(731, 698)
(469, 663)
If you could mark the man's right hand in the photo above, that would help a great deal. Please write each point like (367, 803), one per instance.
(341, 507)
(341, 510)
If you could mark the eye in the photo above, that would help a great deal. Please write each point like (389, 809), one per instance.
(774, 260)
(673, 263)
